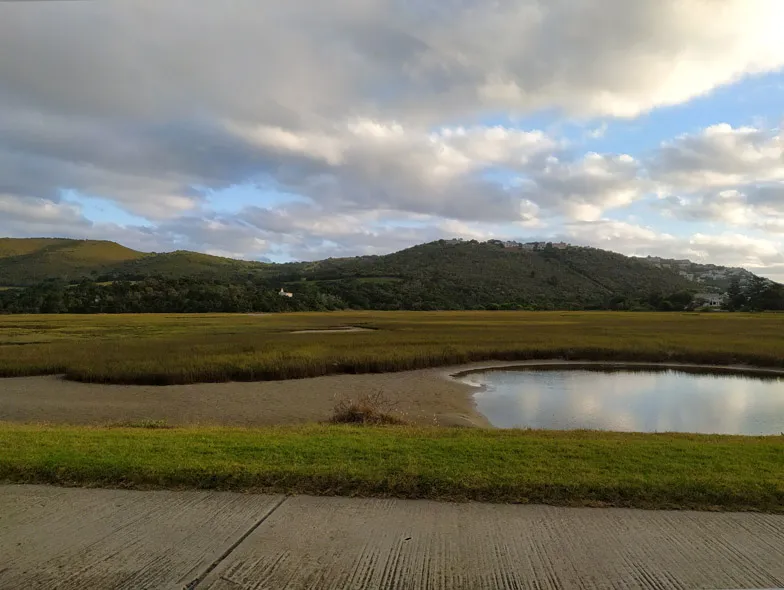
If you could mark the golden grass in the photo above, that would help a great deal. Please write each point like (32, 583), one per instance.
(165, 349)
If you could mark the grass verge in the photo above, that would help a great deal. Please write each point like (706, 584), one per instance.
(578, 468)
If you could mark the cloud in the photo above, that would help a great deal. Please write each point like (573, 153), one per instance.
(733, 176)
(135, 103)
(720, 156)
(37, 211)
(365, 164)
(582, 190)
(414, 59)
(728, 206)
(372, 115)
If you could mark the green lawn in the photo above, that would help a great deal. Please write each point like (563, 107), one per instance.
(571, 468)
(163, 349)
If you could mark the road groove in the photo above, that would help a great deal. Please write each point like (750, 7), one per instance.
(73, 538)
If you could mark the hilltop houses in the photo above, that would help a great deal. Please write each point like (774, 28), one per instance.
(515, 245)
(534, 246)
(283, 293)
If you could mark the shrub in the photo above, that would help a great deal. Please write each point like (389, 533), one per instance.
(146, 423)
(370, 408)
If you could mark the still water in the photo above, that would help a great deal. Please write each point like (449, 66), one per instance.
(646, 399)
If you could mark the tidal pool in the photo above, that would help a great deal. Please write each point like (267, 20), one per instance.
(630, 398)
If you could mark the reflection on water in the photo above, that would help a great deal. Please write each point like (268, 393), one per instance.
(639, 400)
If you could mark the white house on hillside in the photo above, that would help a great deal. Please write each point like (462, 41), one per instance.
(709, 299)
(283, 293)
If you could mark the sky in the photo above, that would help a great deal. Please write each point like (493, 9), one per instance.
(305, 129)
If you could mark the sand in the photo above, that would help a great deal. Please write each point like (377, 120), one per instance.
(422, 397)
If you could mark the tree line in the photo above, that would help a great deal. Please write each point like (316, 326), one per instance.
(201, 295)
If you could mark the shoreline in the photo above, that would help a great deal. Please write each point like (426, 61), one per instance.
(423, 397)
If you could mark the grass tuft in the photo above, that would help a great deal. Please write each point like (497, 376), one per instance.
(367, 409)
(148, 424)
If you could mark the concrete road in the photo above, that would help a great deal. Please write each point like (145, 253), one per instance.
(97, 539)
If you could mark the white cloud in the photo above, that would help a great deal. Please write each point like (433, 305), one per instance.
(619, 236)
(370, 112)
(366, 164)
(720, 156)
(728, 206)
(583, 190)
(37, 211)
(128, 101)
(414, 59)
(742, 250)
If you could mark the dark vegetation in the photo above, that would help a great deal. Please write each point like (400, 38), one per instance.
(70, 276)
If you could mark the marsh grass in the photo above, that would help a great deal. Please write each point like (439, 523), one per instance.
(172, 349)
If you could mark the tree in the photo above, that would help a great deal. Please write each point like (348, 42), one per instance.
(755, 294)
(736, 299)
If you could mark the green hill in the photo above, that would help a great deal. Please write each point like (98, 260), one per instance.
(183, 263)
(30, 261)
(473, 274)
(439, 275)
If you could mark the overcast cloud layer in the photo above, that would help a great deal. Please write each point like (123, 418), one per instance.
(305, 129)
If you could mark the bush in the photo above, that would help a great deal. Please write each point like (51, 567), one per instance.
(370, 408)
(146, 423)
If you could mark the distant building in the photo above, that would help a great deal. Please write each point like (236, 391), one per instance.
(511, 244)
(709, 299)
(454, 241)
(560, 245)
(283, 293)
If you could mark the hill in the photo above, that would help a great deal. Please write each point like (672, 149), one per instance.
(32, 260)
(28, 261)
(182, 263)
(454, 275)
(84, 276)
(709, 276)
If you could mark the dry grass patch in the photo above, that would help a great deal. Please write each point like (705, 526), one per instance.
(368, 409)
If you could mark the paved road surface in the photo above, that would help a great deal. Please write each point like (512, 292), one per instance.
(97, 539)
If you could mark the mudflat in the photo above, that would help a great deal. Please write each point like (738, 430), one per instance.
(421, 397)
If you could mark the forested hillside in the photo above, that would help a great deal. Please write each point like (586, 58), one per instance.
(84, 277)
